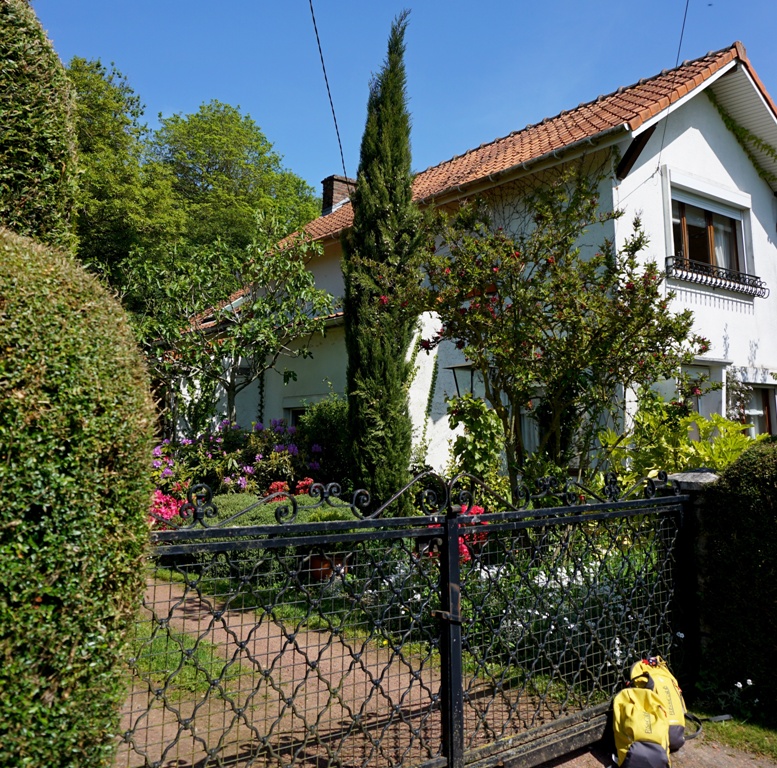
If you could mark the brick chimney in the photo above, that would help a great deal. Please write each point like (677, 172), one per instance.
(336, 189)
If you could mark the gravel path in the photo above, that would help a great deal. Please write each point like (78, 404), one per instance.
(311, 686)
(329, 700)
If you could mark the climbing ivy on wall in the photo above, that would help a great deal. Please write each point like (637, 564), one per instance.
(747, 140)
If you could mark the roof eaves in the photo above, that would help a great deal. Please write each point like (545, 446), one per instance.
(742, 55)
(526, 165)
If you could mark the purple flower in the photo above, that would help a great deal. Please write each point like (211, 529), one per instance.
(291, 430)
(292, 449)
(166, 441)
(248, 470)
(219, 439)
(258, 458)
(242, 482)
(210, 455)
(167, 472)
(227, 480)
(186, 441)
(157, 451)
(156, 463)
(314, 465)
(276, 423)
(316, 448)
(279, 429)
(258, 427)
(223, 424)
(279, 448)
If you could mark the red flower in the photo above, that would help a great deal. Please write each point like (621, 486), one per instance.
(384, 300)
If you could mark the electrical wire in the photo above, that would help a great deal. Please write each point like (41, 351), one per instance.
(676, 64)
(328, 91)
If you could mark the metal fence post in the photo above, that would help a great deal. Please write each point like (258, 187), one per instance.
(450, 642)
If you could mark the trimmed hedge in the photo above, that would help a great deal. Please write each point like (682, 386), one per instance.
(38, 146)
(739, 569)
(76, 422)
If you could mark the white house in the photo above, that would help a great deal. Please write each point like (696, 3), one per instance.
(695, 161)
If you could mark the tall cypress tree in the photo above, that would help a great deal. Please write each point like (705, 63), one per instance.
(382, 257)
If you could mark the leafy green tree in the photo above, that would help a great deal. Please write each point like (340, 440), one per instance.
(37, 148)
(557, 334)
(124, 203)
(219, 316)
(225, 169)
(382, 258)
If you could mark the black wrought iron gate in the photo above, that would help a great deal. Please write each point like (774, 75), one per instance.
(472, 632)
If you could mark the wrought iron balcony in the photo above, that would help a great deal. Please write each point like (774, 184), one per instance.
(711, 276)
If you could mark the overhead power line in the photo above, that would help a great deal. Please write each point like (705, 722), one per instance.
(676, 64)
(328, 91)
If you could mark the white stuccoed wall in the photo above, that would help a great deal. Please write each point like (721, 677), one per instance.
(698, 147)
(741, 329)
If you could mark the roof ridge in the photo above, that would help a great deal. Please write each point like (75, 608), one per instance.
(737, 47)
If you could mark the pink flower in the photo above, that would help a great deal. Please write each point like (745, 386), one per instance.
(163, 507)
(303, 486)
(279, 486)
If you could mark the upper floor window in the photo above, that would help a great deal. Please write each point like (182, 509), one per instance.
(705, 237)
(709, 246)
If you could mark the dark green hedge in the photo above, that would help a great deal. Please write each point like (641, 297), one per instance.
(37, 133)
(739, 595)
(75, 445)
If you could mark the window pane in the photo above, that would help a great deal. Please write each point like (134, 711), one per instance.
(677, 230)
(757, 412)
(698, 239)
(724, 230)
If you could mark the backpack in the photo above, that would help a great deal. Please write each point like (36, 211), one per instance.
(665, 685)
(641, 726)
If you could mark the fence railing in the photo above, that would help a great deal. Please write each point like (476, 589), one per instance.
(713, 276)
(470, 631)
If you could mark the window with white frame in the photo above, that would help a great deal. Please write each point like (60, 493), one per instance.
(758, 411)
(709, 240)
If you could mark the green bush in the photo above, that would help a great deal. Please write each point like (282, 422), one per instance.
(324, 434)
(739, 568)
(38, 147)
(75, 440)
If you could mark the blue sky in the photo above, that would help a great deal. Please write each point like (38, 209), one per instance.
(476, 70)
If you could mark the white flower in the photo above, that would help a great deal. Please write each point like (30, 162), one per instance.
(681, 635)
(749, 682)
(738, 685)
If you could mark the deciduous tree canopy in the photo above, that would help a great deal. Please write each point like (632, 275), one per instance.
(124, 203)
(224, 170)
(557, 334)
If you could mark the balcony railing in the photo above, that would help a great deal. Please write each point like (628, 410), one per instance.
(715, 277)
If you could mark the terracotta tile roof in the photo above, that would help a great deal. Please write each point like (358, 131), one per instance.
(627, 109)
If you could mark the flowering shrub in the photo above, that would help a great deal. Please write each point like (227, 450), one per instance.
(259, 460)
(303, 486)
(279, 486)
(163, 507)
(469, 543)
